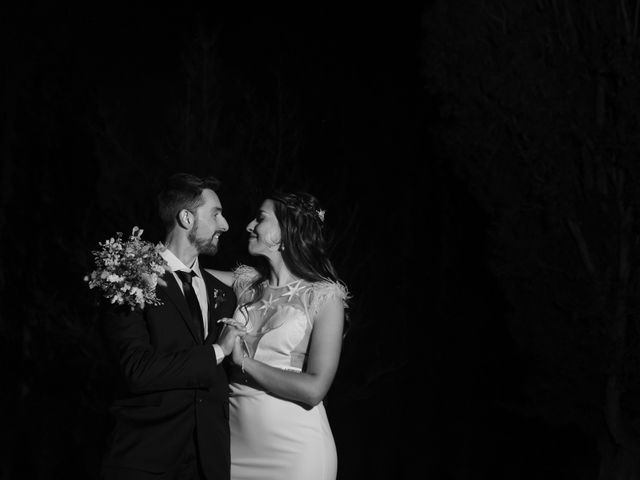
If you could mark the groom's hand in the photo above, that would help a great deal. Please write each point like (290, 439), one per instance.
(228, 337)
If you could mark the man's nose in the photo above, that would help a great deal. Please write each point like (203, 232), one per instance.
(224, 225)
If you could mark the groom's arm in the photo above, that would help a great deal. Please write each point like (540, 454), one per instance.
(147, 370)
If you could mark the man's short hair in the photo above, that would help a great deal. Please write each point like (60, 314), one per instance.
(182, 191)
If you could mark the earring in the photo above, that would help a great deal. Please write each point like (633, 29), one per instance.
(281, 247)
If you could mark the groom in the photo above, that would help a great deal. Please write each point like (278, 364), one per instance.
(171, 415)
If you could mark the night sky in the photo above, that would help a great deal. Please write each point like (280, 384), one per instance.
(433, 381)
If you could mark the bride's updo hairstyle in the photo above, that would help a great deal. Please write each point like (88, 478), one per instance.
(303, 246)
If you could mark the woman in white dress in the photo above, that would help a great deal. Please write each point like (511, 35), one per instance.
(293, 314)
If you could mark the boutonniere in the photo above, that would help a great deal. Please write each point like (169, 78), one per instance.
(127, 271)
(218, 298)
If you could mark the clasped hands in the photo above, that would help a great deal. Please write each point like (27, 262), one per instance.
(230, 339)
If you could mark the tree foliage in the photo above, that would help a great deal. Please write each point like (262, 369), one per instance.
(539, 115)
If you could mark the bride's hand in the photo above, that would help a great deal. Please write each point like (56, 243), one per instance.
(232, 322)
(239, 351)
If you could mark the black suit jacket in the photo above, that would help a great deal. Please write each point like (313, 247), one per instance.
(171, 383)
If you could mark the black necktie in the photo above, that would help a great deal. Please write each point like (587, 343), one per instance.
(192, 299)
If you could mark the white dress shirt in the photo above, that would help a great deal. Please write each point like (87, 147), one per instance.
(199, 287)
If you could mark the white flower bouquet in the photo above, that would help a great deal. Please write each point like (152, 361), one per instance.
(127, 271)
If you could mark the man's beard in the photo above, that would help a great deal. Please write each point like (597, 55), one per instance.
(203, 246)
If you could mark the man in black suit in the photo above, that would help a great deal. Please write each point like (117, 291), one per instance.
(171, 420)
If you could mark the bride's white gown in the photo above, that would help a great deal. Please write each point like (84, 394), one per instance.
(271, 437)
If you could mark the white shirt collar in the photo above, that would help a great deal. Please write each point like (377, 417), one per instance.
(175, 264)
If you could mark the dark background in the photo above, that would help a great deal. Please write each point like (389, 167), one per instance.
(478, 166)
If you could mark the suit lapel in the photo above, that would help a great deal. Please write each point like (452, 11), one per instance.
(175, 295)
(209, 281)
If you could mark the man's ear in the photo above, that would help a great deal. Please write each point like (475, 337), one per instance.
(185, 219)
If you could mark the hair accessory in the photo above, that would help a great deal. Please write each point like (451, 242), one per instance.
(301, 203)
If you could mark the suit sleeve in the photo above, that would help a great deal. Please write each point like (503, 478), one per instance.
(146, 370)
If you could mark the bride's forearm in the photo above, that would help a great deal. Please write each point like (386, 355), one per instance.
(307, 388)
(224, 276)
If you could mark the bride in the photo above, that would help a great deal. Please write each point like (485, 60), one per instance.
(293, 315)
